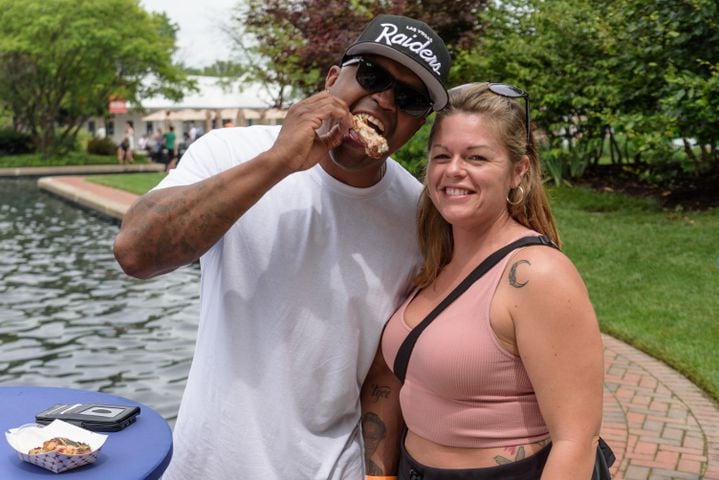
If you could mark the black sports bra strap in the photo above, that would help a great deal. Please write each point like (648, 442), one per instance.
(405, 350)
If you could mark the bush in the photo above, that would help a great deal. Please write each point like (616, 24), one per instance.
(15, 143)
(83, 138)
(101, 146)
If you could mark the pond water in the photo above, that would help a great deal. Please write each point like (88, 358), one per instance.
(69, 316)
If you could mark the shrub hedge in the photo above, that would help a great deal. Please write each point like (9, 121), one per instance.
(14, 143)
(101, 146)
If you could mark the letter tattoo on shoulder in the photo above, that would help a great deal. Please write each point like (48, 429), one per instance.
(513, 274)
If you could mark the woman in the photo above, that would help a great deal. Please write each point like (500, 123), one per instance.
(506, 382)
(126, 148)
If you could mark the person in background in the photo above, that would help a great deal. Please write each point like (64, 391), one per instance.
(170, 138)
(306, 247)
(192, 132)
(506, 382)
(127, 145)
(155, 145)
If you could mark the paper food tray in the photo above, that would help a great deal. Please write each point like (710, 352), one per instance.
(27, 437)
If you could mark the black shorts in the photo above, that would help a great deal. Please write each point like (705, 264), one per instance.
(529, 468)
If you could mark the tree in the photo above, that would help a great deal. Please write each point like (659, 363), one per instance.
(693, 105)
(645, 71)
(557, 51)
(62, 60)
(669, 67)
(292, 44)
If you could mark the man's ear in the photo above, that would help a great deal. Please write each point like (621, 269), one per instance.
(332, 74)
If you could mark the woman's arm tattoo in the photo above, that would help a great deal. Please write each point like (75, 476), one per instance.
(513, 274)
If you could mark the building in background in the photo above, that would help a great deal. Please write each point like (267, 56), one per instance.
(212, 106)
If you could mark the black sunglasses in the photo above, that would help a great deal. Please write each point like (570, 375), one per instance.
(374, 78)
(511, 91)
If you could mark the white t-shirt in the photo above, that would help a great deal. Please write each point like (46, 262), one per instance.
(293, 300)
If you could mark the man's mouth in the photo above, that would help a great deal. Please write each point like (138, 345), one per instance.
(372, 121)
(369, 130)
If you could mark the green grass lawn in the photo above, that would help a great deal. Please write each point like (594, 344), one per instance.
(72, 158)
(652, 275)
(137, 183)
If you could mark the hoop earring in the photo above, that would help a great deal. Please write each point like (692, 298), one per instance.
(516, 201)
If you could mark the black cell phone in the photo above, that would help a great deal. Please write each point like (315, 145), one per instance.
(91, 416)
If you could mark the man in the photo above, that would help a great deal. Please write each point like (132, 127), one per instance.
(170, 137)
(306, 244)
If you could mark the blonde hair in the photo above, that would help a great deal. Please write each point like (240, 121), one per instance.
(529, 205)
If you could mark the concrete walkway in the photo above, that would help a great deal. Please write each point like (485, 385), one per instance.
(67, 182)
(659, 424)
(109, 201)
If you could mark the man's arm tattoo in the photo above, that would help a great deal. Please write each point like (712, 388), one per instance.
(513, 274)
(379, 392)
(373, 432)
(372, 469)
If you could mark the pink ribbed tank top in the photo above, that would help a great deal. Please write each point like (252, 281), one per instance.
(463, 389)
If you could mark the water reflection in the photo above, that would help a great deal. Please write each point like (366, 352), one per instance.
(69, 316)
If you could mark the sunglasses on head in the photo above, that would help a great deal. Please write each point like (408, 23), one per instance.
(511, 91)
(374, 78)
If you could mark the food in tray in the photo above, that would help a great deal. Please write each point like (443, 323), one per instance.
(62, 445)
(369, 130)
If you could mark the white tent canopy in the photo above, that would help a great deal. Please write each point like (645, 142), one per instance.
(215, 102)
(233, 101)
(213, 94)
(199, 115)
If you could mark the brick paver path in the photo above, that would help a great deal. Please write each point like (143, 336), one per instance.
(659, 424)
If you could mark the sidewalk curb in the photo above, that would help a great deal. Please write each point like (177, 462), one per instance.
(81, 170)
(105, 200)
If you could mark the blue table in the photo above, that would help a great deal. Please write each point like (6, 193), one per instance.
(141, 451)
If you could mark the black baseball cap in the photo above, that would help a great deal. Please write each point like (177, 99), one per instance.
(411, 43)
